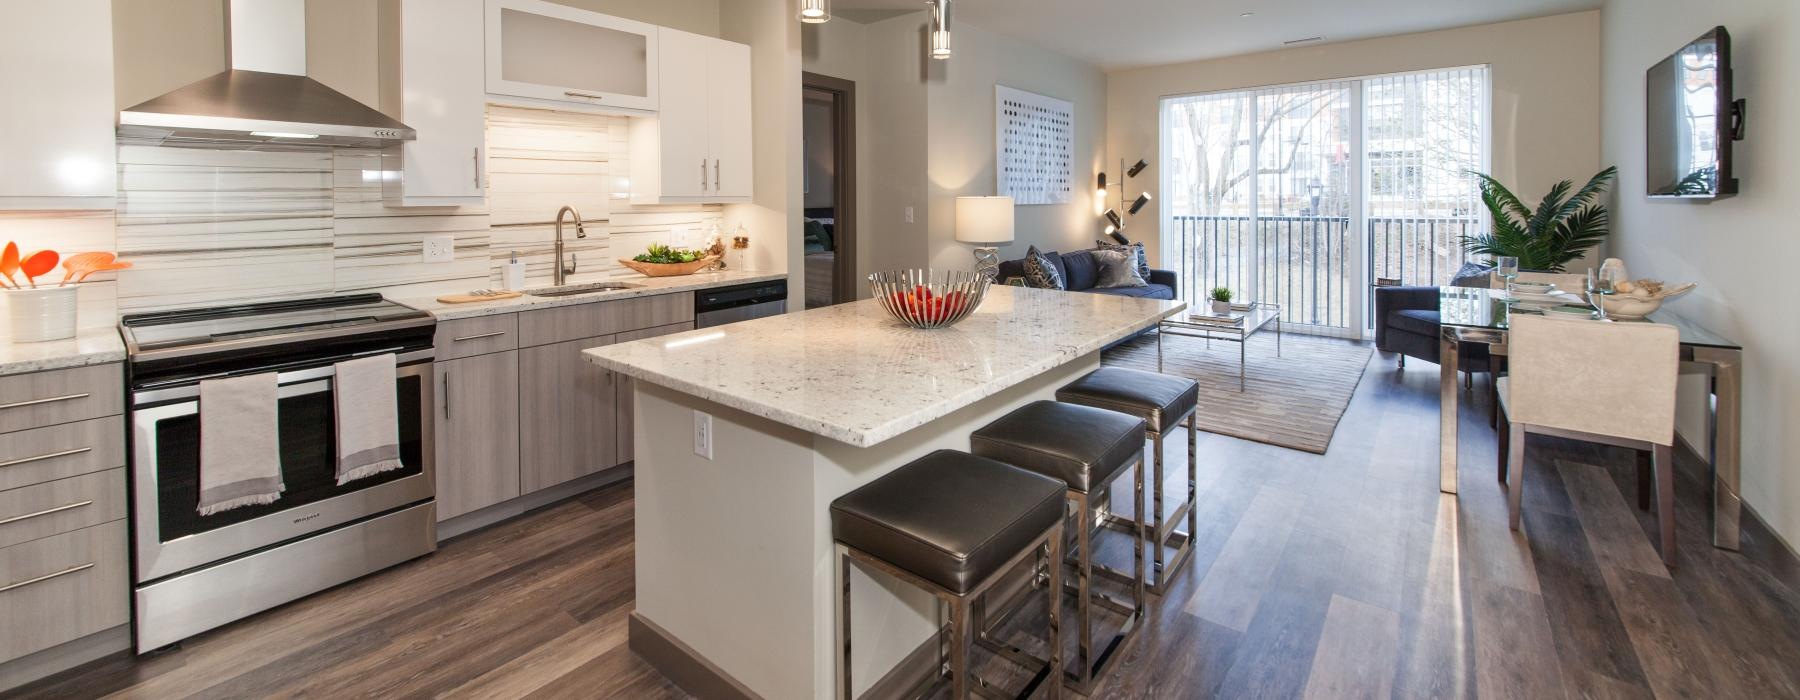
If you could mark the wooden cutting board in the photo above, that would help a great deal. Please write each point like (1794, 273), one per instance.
(472, 298)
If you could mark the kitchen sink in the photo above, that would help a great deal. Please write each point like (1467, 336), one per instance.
(568, 290)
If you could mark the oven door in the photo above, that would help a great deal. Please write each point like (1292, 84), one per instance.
(171, 535)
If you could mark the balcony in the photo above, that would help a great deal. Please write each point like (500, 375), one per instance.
(1312, 266)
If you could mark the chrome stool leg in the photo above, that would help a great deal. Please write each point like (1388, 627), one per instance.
(1170, 546)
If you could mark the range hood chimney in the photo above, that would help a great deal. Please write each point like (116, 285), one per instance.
(265, 97)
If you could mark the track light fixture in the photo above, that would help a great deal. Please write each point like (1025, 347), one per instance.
(1115, 223)
(815, 11)
(1136, 168)
(1100, 189)
(1112, 216)
(1142, 199)
(940, 28)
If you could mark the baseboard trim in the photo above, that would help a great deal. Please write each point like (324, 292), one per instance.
(62, 657)
(1757, 541)
(681, 664)
(507, 510)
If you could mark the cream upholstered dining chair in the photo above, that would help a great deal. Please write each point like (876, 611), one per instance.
(1611, 383)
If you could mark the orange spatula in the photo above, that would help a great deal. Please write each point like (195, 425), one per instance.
(37, 264)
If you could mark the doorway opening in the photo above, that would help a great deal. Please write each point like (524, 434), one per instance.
(829, 183)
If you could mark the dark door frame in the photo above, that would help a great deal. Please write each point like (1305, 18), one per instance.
(844, 233)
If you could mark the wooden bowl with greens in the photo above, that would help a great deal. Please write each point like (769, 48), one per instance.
(663, 261)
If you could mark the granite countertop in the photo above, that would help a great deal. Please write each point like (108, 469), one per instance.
(854, 374)
(90, 346)
(642, 286)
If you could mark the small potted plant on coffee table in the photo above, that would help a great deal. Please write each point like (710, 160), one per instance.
(1221, 300)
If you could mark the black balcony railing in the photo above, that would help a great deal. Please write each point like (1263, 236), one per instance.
(1304, 263)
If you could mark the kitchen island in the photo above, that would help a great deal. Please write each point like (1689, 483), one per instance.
(734, 552)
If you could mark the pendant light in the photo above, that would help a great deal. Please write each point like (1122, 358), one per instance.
(940, 28)
(815, 11)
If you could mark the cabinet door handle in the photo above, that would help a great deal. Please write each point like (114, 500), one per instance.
(39, 458)
(702, 174)
(477, 167)
(42, 513)
(588, 95)
(446, 394)
(715, 174)
(45, 577)
(53, 399)
(477, 336)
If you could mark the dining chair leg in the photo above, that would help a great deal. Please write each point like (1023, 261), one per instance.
(1644, 477)
(1515, 474)
(1504, 440)
(1664, 464)
(1494, 390)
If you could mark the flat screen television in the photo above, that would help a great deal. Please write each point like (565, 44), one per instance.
(1692, 120)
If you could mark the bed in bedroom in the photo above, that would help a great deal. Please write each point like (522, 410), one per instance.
(820, 257)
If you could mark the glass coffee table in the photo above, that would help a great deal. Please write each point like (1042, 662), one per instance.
(1250, 317)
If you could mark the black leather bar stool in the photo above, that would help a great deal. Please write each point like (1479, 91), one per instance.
(1163, 401)
(953, 524)
(1087, 448)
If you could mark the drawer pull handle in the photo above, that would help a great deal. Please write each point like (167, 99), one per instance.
(589, 95)
(35, 402)
(42, 513)
(40, 458)
(478, 336)
(45, 577)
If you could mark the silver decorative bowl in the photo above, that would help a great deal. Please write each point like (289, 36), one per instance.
(926, 299)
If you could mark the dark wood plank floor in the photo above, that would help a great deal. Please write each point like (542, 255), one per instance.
(1341, 575)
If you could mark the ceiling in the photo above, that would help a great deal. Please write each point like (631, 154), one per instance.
(1116, 34)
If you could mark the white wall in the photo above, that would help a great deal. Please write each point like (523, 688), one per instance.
(1546, 123)
(837, 49)
(1742, 251)
(773, 218)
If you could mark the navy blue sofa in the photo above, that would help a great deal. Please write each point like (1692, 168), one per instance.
(1080, 272)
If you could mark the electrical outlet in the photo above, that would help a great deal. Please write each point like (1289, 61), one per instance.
(909, 215)
(703, 435)
(440, 249)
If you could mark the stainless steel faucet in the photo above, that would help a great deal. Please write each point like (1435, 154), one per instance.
(560, 273)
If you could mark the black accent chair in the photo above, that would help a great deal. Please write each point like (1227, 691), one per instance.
(1407, 323)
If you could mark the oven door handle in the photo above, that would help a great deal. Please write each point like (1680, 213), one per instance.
(285, 379)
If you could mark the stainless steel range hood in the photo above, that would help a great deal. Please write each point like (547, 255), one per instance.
(266, 96)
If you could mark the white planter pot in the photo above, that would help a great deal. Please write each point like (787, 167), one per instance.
(46, 313)
(1221, 307)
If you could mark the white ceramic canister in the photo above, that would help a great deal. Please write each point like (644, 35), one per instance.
(44, 313)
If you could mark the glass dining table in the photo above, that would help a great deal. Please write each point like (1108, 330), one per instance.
(1479, 315)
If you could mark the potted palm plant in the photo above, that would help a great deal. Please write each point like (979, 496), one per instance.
(1221, 300)
(1559, 232)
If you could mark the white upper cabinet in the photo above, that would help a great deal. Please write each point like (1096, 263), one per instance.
(698, 146)
(442, 96)
(551, 55)
(57, 130)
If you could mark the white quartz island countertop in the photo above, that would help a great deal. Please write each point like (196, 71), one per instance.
(853, 374)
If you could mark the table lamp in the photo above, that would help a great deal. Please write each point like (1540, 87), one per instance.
(986, 222)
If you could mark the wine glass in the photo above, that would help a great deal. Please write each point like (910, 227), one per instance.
(1600, 285)
(1507, 267)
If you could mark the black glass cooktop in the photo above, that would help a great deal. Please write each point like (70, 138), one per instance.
(164, 330)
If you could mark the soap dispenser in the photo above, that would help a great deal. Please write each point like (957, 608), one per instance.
(514, 276)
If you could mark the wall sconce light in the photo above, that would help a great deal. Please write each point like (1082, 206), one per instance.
(1112, 217)
(1100, 189)
(940, 28)
(1115, 224)
(815, 11)
(1142, 199)
(1136, 168)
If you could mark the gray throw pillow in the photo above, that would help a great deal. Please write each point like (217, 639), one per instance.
(1117, 269)
(1040, 272)
(1135, 249)
(1471, 275)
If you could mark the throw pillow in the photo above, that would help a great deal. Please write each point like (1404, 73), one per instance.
(1471, 275)
(1040, 272)
(1117, 269)
(1135, 249)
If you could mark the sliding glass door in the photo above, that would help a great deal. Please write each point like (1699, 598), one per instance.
(1305, 195)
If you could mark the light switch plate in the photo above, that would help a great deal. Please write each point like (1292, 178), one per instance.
(703, 435)
(909, 215)
(440, 249)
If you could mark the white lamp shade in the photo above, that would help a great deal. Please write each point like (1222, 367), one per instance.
(984, 220)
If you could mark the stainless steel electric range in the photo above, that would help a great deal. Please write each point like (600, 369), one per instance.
(191, 572)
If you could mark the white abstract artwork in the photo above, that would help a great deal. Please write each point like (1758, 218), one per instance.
(1034, 146)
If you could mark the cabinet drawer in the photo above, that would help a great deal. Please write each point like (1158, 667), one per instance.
(566, 323)
(60, 588)
(61, 396)
(477, 336)
(56, 507)
(35, 456)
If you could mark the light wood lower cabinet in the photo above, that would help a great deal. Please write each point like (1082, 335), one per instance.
(477, 432)
(566, 414)
(63, 587)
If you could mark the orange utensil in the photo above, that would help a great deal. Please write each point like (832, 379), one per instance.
(36, 264)
(9, 262)
(84, 264)
(109, 267)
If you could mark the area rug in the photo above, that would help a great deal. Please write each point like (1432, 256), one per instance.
(1292, 401)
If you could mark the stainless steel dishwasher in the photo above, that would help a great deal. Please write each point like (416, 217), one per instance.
(717, 307)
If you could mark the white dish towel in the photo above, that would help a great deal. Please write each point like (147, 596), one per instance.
(368, 425)
(240, 458)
